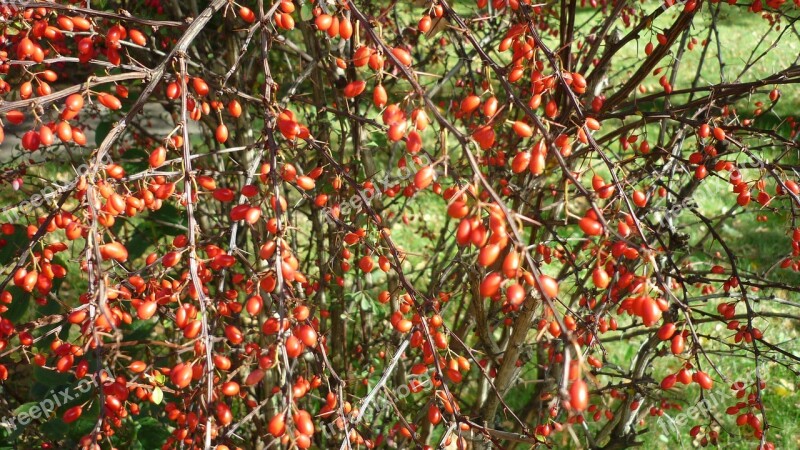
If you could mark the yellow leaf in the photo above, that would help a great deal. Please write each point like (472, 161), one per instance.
(782, 391)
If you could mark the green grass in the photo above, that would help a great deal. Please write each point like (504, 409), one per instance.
(759, 245)
(740, 41)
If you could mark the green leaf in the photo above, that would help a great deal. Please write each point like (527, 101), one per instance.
(51, 378)
(51, 307)
(14, 242)
(102, 130)
(366, 303)
(140, 240)
(140, 329)
(166, 221)
(157, 395)
(25, 407)
(166, 216)
(152, 433)
(359, 297)
(19, 304)
(306, 11)
(56, 429)
(64, 333)
(134, 160)
(47, 338)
